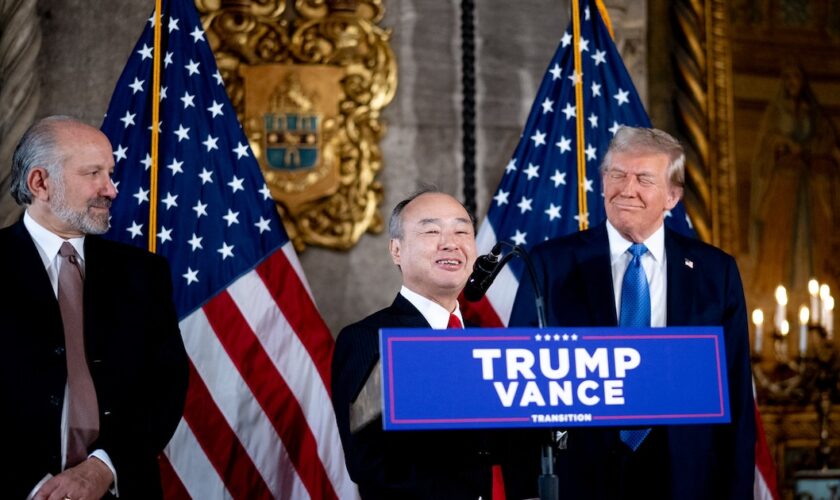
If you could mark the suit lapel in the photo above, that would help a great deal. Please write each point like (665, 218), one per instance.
(681, 280)
(593, 258)
(407, 315)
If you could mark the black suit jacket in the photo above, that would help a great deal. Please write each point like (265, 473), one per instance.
(134, 350)
(417, 465)
(681, 462)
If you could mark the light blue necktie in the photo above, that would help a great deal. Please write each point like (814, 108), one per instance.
(635, 312)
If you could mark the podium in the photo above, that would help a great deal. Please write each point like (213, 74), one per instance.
(552, 377)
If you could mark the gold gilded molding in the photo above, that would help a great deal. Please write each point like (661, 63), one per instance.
(325, 61)
(704, 114)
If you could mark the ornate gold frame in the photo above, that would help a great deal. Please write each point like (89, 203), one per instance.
(704, 111)
(338, 33)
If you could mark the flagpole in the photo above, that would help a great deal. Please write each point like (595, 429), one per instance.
(153, 177)
(577, 81)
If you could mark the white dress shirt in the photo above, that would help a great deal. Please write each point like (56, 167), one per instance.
(48, 245)
(654, 264)
(435, 314)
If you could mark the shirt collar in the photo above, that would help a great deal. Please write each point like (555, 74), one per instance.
(619, 245)
(48, 242)
(436, 315)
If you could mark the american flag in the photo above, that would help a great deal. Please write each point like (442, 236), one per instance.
(537, 198)
(258, 421)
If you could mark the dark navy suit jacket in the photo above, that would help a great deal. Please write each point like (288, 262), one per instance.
(134, 350)
(418, 465)
(680, 462)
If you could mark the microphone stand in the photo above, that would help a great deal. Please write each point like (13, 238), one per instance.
(549, 483)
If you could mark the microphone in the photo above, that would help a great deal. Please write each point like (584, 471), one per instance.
(485, 269)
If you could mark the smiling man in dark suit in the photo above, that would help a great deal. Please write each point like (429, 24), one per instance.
(632, 271)
(93, 372)
(433, 244)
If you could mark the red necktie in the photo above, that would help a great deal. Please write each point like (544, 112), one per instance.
(82, 407)
(454, 322)
(498, 483)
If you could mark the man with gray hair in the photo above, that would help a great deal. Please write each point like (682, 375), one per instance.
(433, 245)
(632, 271)
(93, 372)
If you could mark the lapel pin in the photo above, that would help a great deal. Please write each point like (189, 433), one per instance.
(689, 263)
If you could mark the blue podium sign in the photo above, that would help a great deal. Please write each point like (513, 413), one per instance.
(552, 377)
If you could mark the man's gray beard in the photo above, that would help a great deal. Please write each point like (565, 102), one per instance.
(79, 220)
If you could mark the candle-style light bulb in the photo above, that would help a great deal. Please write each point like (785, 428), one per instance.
(785, 328)
(758, 321)
(781, 302)
(828, 303)
(804, 314)
(814, 290)
(825, 291)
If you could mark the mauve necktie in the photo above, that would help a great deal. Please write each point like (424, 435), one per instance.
(82, 408)
(635, 312)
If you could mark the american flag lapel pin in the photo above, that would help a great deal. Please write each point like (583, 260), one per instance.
(689, 263)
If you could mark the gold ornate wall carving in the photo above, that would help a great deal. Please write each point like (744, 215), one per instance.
(266, 45)
(704, 118)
